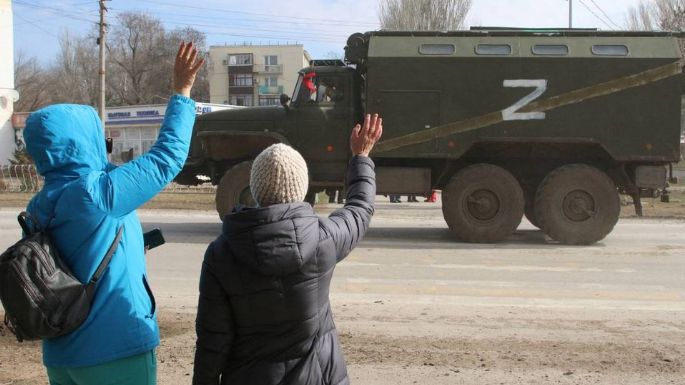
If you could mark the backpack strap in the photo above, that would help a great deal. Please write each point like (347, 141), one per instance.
(28, 224)
(90, 287)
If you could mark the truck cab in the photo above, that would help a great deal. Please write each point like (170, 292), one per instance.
(324, 107)
(316, 120)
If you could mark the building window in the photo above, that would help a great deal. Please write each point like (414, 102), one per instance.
(271, 64)
(493, 49)
(270, 60)
(271, 81)
(241, 80)
(269, 101)
(241, 100)
(240, 60)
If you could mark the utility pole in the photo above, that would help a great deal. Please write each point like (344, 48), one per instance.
(101, 43)
(570, 14)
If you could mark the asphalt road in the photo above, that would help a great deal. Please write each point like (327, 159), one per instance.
(413, 305)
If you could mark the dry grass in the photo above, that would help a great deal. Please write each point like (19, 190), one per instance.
(170, 201)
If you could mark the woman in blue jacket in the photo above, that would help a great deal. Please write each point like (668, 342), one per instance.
(84, 201)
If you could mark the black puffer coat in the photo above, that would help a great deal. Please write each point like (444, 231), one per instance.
(263, 314)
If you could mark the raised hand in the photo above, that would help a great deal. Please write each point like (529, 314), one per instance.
(364, 137)
(186, 68)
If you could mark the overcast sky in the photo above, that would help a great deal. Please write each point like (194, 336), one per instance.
(321, 25)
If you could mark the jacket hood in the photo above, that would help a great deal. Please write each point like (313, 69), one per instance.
(66, 140)
(273, 240)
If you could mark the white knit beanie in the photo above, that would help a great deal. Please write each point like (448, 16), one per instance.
(279, 175)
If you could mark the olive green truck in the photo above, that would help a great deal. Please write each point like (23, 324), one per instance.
(550, 124)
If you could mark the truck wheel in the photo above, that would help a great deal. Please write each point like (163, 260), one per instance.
(482, 203)
(234, 189)
(577, 204)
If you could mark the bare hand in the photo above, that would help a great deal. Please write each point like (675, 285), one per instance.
(186, 68)
(363, 138)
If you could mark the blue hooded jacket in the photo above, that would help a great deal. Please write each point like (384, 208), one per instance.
(85, 199)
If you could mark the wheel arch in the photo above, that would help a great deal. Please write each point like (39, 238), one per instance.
(530, 160)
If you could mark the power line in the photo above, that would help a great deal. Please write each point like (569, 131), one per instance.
(37, 26)
(61, 12)
(256, 20)
(184, 22)
(312, 35)
(221, 23)
(595, 14)
(50, 18)
(289, 18)
(277, 38)
(605, 14)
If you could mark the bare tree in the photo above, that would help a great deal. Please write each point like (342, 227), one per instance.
(639, 18)
(139, 66)
(334, 55)
(30, 80)
(670, 15)
(200, 90)
(423, 15)
(136, 49)
(141, 54)
(74, 76)
(664, 15)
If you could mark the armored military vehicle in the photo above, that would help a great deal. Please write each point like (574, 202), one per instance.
(550, 124)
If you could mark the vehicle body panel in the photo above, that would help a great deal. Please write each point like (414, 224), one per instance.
(446, 105)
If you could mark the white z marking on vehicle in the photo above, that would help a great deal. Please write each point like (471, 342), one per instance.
(540, 86)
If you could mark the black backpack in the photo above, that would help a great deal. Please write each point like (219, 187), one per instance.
(41, 297)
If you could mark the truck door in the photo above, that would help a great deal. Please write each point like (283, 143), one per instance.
(324, 121)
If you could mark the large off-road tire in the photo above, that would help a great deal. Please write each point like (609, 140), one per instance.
(234, 189)
(482, 203)
(577, 204)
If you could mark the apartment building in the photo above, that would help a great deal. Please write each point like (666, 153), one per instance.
(8, 137)
(254, 75)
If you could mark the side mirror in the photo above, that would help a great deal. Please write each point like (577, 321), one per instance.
(284, 100)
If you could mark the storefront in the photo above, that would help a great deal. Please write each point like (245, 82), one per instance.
(134, 129)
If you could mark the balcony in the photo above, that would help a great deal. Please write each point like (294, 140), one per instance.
(268, 68)
(266, 90)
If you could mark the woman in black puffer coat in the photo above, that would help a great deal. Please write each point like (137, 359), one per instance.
(263, 315)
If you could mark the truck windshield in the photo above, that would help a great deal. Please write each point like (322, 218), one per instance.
(305, 89)
(315, 89)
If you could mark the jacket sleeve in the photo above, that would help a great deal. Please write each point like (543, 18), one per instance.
(347, 226)
(130, 185)
(214, 328)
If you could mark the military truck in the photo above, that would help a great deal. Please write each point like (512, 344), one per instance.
(550, 124)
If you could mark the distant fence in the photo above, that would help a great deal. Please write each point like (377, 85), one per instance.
(24, 178)
(20, 178)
